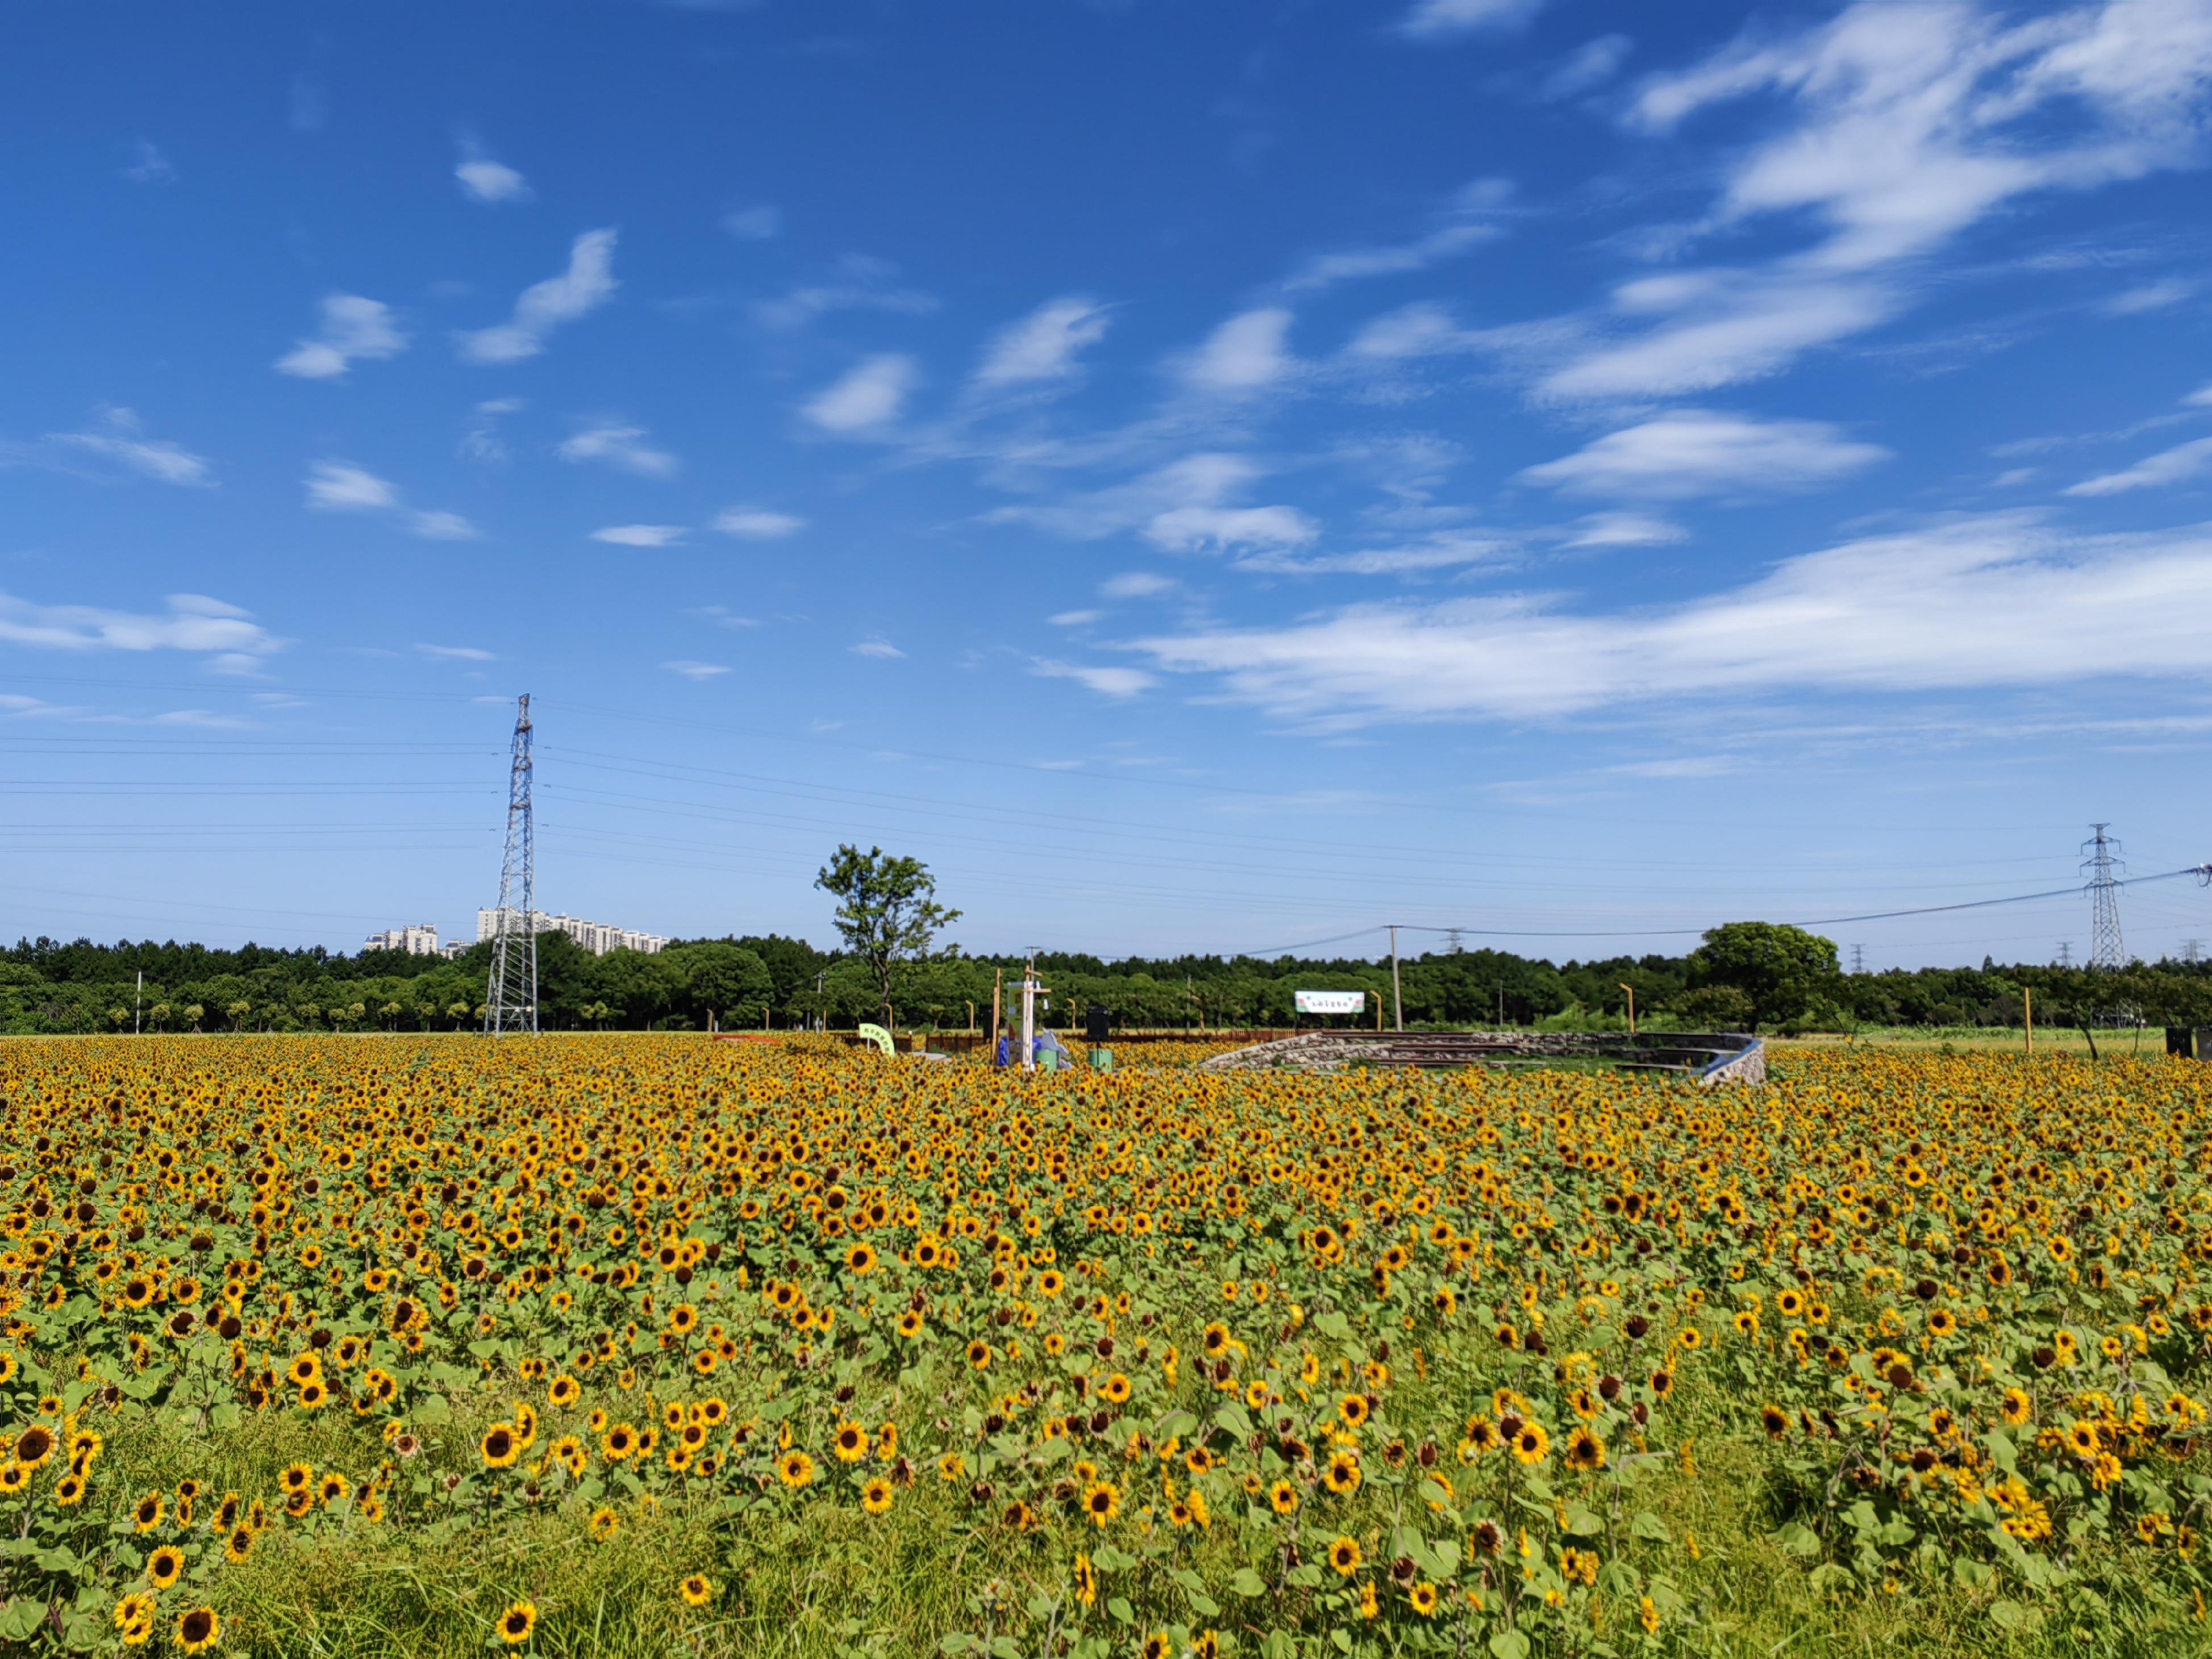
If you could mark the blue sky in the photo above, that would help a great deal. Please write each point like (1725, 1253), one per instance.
(1203, 477)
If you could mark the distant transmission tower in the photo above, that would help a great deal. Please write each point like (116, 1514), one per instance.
(1858, 958)
(511, 1004)
(2066, 954)
(1453, 933)
(2192, 949)
(2106, 951)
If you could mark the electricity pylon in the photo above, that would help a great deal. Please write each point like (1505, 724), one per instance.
(2106, 952)
(511, 1003)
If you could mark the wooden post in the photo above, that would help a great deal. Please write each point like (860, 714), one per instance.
(2027, 1012)
(1631, 989)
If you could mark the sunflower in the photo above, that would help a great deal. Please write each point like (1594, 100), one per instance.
(133, 1609)
(696, 1591)
(851, 1443)
(1102, 1502)
(1585, 1451)
(198, 1630)
(564, 1391)
(1115, 1390)
(605, 1522)
(500, 1446)
(238, 1545)
(516, 1623)
(1342, 1475)
(1283, 1497)
(33, 1446)
(979, 1354)
(1354, 1409)
(1531, 1445)
(1344, 1556)
(297, 1477)
(147, 1513)
(1086, 1582)
(876, 1495)
(70, 1489)
(620, 1442)
(860, 1259)
(795, 1469)
(165, 1566)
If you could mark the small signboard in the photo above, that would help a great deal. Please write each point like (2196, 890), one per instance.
(1330, 1002)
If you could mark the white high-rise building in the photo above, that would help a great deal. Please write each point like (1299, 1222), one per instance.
(418, 941)
(597, 937)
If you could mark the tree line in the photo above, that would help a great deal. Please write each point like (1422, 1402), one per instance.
(1744, 975)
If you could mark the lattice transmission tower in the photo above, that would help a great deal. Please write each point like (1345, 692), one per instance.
(2105, 950)
(511, 1003)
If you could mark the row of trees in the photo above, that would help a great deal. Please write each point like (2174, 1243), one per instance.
(1745, 974)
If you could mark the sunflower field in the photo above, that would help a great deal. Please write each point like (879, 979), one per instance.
(642, 1344)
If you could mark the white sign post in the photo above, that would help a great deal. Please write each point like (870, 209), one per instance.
(1330, 1002)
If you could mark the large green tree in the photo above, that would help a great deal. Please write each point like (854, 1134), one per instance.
(1783, 972)
(887, 911)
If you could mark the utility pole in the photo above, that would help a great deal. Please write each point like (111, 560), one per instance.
(820, 1019)
(138, 997)
(511, 999)
(1397, 1002)
(1030, 990)
(2106, 952)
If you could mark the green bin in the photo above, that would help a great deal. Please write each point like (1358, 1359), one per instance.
(1102, 1059)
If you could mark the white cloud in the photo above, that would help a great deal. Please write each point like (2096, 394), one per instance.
(864, 285)
(1106, 682)
(483, 179)
(149, 166)
(2169, 466)
(1043, 345)
(1074, 618)
(1137, 584)
(870, 395)
(1701, 453)
(1908, 125)
(352, 327)
(1439, 552)
(883, 649)
(1420, 330)
(1624, 530)
(2150, 296)
(1443, 20)
(696, 670)
(588, 283)
(754, 224)
(455, 654)
(756, 524)
(1461, 227)
(641, 535)
(1225, 529)
(342, 487)
(1587, 66)
(193, 622)
(1242, 354)
(2201, 398)
(152, 458)
(1994, 602)
(619, 446)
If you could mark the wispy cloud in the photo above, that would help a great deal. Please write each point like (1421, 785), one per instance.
(193, 622)
(882, 649)
(1907, 125)
(2174, 465)
(1468, 221)
(1586, 66)
(1244, 354)
(755, 523)
(454, 653)
(1045, 344)
(754, 224)
(1187, 506)
(1623, 530)
(1695, 452)
(483, 179)
(696, 670)
(587, 283)
(1138, 585)
(868, 397)
(354, 328)
(641, 535)
(148, 166)
(619, 447)
(1447, 20)
(1108, 682)
(121, 439)
(2150, 296)
(342, 487)
(1991, 602)
(859, 283)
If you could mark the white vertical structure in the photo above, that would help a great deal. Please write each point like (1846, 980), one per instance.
(2106, 951)
(511, 1000)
